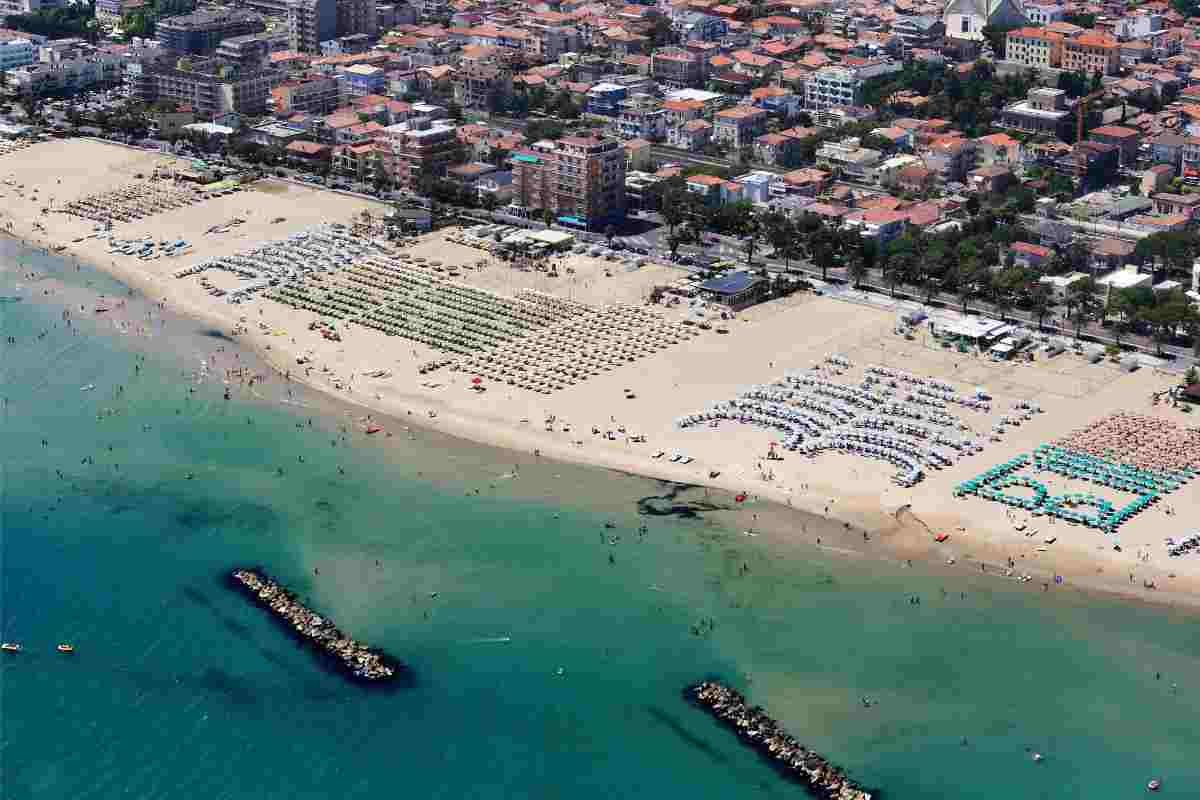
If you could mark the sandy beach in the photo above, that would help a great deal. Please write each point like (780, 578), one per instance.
(620, 416)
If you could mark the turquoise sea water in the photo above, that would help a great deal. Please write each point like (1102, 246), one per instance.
(181, 689)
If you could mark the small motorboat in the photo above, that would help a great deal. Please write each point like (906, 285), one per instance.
(374, 429)
(941, 537)
(1037, 757)
(10, 647)
(89, 387)
(65, 648)
(1154, 785)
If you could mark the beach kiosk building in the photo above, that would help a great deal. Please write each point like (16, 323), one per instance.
(978, 332)
(736, 290)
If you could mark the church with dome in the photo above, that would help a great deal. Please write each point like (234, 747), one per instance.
(965, 19)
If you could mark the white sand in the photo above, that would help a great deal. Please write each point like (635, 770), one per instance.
(762, 344)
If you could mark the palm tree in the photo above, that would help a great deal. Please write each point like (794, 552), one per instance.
(966, 291)
(897, 271)
(1039, 301)
(858, 269)
(1002, 303)
(751, 229)
(929, 286)
(780, 232)
(1082, 297)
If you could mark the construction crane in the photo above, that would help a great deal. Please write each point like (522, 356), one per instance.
(1081, 109)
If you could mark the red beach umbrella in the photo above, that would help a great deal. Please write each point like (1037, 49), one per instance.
(477, 380)
(741, 498)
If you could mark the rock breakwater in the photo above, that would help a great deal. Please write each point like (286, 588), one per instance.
(362, 662)
(765, 735)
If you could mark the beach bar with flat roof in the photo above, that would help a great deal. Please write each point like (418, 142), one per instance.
(735, 290)
(978, 330)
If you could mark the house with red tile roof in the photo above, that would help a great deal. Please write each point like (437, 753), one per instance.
(1030, 256)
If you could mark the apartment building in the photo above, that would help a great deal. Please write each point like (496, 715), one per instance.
(998, 150)
(26, 6)
(252, 50)
(310, 22)
(110, 11)
(1092, 164)
(307, 96)
(739, 126)
(692, 25)
(16, 53)
(641, 117)
(432, 9)
(67, 70)
(1043, 111)
(849, 158)
(413, 151)
(210, 87)
(579, 179)
(1127, 141)
(357, 16)
(1045, 12)
(200, 32)
(1034, 47)
(917, 31)
(693, 135)
(361, 80)
(1092, 52)
(950, 159)
(833, 86)
(677, 67)
(483, 85)
(271, 8)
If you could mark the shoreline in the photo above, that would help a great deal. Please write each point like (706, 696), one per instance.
(892, 540)
(873, 513)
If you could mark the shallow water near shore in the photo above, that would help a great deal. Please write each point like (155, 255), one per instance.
(486, 572)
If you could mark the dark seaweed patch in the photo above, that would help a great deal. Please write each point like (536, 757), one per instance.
(669, 504)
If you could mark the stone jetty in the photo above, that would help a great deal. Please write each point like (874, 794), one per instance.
(765, 735)
(358, 659)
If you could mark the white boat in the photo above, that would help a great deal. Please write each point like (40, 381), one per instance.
(89, 387)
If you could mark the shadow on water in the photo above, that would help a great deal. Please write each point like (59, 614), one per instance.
(676, 727)
(221, 682)
(242, 631)
(670, 504)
